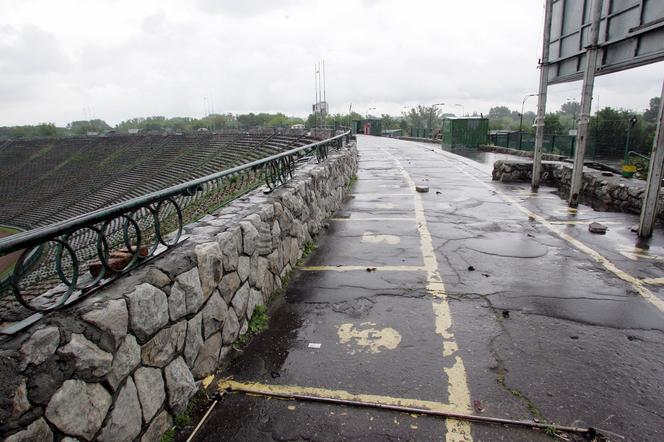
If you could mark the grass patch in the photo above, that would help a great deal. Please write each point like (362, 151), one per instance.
(168, 436)
(550, 431)
(500, 378)
(259, 319)
(285, 280)
(258, 322)
(308, 249)
(181, 421)
(353, 180)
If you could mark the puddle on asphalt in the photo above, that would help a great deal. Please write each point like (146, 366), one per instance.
(367, 338)
(373, 238)
(507, 245)
(484, 159)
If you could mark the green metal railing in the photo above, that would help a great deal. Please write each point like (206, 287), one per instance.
(50, 272)
(553, 144)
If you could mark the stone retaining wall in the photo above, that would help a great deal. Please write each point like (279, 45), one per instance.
(420, 140)
(519, 153)
(603, 190)
(121, 365)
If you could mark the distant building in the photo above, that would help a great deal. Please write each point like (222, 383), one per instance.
(297, 126)
(464, 132)
(133, 131)
(367, 126)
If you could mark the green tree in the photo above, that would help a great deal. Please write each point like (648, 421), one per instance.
(552, 125)
(650, 115)
(389, 122)
(499, 112)
(82, 127)
(46, 130)
(571, 108)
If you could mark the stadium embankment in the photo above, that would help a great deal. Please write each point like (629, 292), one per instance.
(122, 364)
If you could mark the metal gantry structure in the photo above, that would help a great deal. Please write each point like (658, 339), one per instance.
(585, 38)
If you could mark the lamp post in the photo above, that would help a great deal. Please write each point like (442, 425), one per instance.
(523, 103)
(630, 124)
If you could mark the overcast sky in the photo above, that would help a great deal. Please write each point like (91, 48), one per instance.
(67, 60)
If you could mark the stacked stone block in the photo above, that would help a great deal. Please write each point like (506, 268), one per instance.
(122, 364)
(611, 192)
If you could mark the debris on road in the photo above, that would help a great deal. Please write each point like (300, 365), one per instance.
(371, 269)
(471, 268)
(597, 228)
(477, 405)
(314, 345)
(506, 314)
(422, 189)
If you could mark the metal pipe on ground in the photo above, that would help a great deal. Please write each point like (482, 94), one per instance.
(589, 433)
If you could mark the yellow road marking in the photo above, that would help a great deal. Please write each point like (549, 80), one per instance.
(378, 195)
(653, 281)
(344, 268)
(207, 381)
(636, 283)
(375, 238)
(258, 388)
(457, 388)
(368, 338)
(575, 223)
(637, 253)
(372, 219)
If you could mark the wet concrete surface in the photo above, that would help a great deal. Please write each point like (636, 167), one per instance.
(543, 330)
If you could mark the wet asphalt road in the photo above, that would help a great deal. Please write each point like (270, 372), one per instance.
(473, 304)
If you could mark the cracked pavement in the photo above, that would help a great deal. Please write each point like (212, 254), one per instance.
(543, 330)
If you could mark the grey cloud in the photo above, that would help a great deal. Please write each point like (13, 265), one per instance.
(244, 8)
(163, 56)
(30, 50)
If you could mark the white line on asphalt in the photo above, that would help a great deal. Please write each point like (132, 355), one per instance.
(636, 283)
(372, 219)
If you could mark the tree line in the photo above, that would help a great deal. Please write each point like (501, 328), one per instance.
(608, 127)
(154, 124)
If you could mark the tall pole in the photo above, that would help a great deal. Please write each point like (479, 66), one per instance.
(541, 98)
(586, 103)
(315, 111)
(654, 184)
